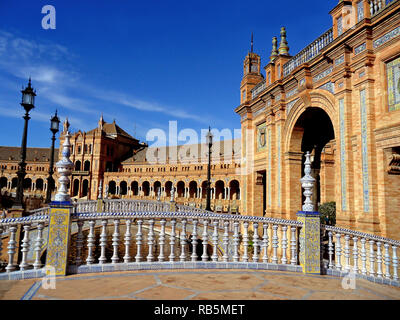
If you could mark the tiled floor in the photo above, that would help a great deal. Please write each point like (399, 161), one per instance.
(197, 284)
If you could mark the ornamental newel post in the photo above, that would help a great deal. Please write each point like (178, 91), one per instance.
(64, 169)
(100, 196)
(100, 202)
(307, 183)
(60, 215)
(309, 238)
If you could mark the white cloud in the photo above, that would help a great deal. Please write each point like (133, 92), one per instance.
(46, 64)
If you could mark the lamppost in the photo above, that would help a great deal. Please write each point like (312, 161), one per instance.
(28, 100)
(54, 126)
(209, 139)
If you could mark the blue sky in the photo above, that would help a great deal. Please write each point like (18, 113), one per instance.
(142, 63)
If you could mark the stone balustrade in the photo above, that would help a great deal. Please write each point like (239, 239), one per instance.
(366, 255)
(376, 6)
(135, 235)
(308, 53)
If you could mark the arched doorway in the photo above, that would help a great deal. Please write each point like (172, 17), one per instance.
(204, 190)
(112, 187)
(180, 189)
(123, 188)
(39, 184)
(234, 190)
(219, 190)
(192, 189)
(313, 132)
(27, 184)
(14, 183)
(3, 182)
(135, 188)
(168, 187)
(157, 186)
(146, 188)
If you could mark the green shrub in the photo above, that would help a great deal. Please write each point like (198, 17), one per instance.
(327, 212)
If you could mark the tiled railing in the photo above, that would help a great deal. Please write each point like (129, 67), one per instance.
(362, 253)
(179, 232)
(308, 53)
(258, 89)
(167, 235)
(376, 6)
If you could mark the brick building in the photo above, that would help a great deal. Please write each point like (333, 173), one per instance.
(339, 98)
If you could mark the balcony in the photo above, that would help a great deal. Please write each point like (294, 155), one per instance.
(308, 53)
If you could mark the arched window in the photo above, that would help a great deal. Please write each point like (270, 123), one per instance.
(78, 166)
(39, 184)
(86, 166)
(85, 188)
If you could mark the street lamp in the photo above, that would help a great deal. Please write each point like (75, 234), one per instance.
(28, 101)
(209, 139)
(54, 127)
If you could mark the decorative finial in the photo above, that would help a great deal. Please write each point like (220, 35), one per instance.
(274, 52)
(65, 125)
(283, 47)
(307, 182)
(251, 43)
(64, 169)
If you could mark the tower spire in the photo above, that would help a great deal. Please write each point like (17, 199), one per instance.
(274, 52)
(283, 47)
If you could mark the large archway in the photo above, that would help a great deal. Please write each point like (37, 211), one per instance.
(313, 131)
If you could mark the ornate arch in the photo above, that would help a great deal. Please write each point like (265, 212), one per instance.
(316, 98)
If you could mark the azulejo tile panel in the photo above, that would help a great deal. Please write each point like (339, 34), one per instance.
(323, 74)
(278, 138)
(360, 48)
(309, 242)
(57, 250)
(261, 136)
(269, 167)
(364, 146)
(342, 154)
(386, 37)
(393, 83)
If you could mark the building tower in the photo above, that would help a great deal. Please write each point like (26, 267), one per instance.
(251, 74)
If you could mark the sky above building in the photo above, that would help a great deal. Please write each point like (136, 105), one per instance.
(142, 63)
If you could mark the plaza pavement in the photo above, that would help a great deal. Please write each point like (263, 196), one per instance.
(196, 285)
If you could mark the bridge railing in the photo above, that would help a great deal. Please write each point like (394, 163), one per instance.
(183, 237)
(362, 253)
(120, 238)
(13, 227)
(157, 237)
